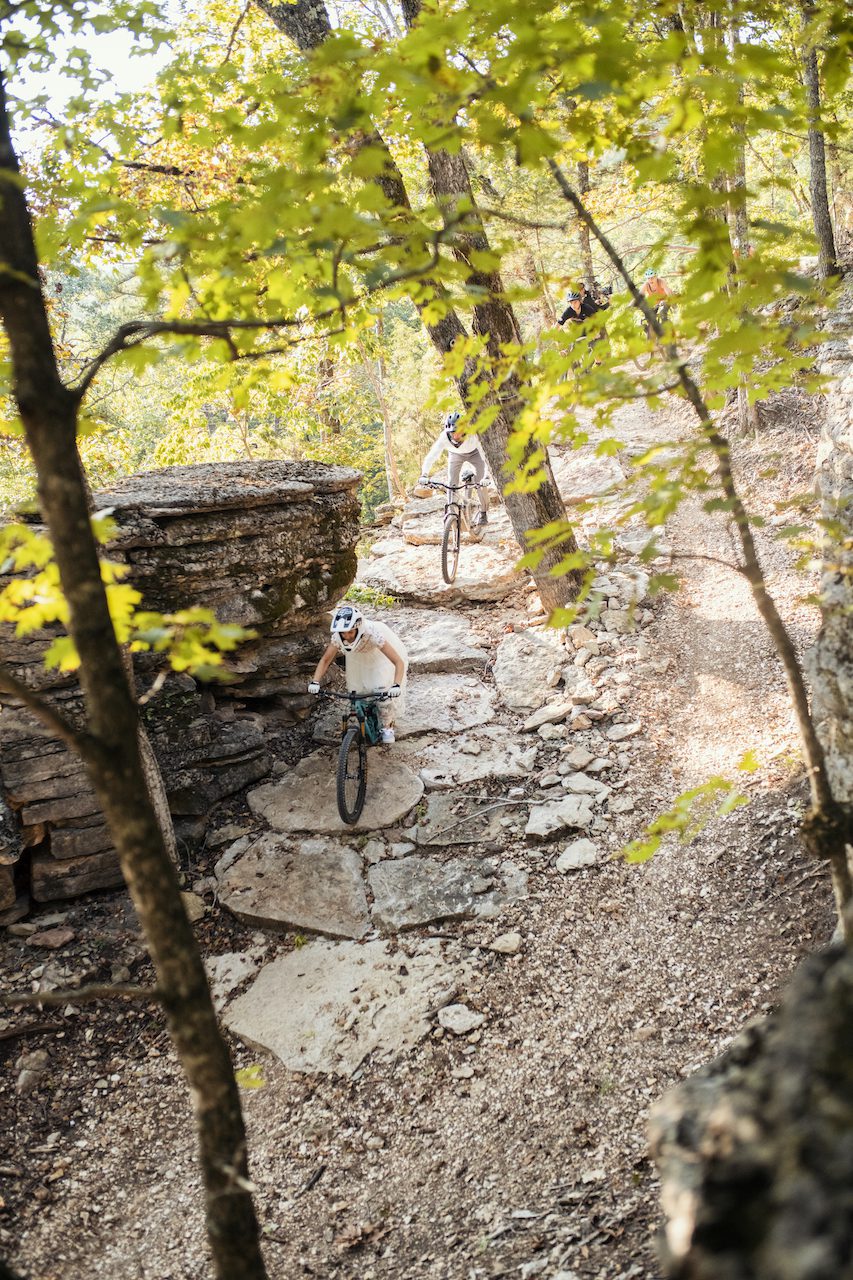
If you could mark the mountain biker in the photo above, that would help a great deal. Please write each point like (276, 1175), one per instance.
(375, 658)
(657, 291)
(582, 304)
(461, 450)
(593, 298)
(654, 286)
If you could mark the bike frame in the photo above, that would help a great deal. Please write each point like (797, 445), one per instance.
(460, 510)
(355, 713)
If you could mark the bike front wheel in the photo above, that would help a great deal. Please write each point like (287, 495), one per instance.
(450, 548)
(352, 775)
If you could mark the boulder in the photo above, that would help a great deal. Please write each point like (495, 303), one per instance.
(527, 666)
(486, 572)
(472, 757)
(437, 641)
(553, 816)
(269, 545)
(580, 475)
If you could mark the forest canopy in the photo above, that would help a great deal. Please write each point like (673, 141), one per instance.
(230, 277)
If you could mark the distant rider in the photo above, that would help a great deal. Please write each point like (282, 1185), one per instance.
(656, 291)
(654, 287)
(461, 449)
(375, 659)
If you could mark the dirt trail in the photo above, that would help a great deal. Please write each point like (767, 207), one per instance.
(518, 1149)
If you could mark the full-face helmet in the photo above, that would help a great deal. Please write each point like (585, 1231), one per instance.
(346, 619)
(451, 427)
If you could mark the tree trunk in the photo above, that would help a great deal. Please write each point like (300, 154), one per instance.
(330, 423)
(110, 745)
(549, 311)
(307, 24)
(584, 241)
(739, 238)
(495, 321)
(821, 216)
(374, 377)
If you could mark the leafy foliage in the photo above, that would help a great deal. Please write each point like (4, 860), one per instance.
(191, 640)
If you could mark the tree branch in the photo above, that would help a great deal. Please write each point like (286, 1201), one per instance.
(828, 828)
(83, 995)
(136, 332)
(82, 743)
(234, 30)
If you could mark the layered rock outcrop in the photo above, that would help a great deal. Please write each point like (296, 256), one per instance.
(269, 545)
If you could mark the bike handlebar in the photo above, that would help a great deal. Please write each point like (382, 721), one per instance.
(378, 695)
(454, 488)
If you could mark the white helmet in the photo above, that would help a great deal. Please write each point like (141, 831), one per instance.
(346, 617)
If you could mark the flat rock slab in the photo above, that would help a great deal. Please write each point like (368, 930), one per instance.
(436, 640)
(527, 667)
(473, 757)
(433, 702)
(450, 820)
(229, 971)
(580, 475)
(417, 890)
(327, 1006)
(304, 799)
(486, 572)
(312, 884)
(547, 819)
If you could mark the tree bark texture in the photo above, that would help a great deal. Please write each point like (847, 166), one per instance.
(493, 318)
(754, 1151)
(495, 321)
(584, 240)
(739, 238)
(821, 216)
(110, 746)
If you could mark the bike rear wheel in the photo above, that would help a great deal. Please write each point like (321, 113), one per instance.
(352, 775)
(450, 548)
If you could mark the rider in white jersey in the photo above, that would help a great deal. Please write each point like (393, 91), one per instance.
(375, 658)
(461, 449)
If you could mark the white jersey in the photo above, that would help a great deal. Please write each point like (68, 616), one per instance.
(367, 668)
(469, 445)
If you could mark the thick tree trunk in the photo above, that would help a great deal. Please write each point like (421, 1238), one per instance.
(584, 241)
(495, 321)
(821, 216)
(307, 24)
(754, 1150)
(739, 237)
(110, 746)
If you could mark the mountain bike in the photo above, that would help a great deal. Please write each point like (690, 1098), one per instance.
(458, 518)
(644, 358)
(360, 729)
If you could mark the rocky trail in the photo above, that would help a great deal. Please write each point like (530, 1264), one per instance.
(451, 1021)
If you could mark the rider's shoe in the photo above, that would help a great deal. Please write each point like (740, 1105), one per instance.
(388, 736)
(481, 518)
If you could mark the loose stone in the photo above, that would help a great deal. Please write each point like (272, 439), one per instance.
(459, 1019)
